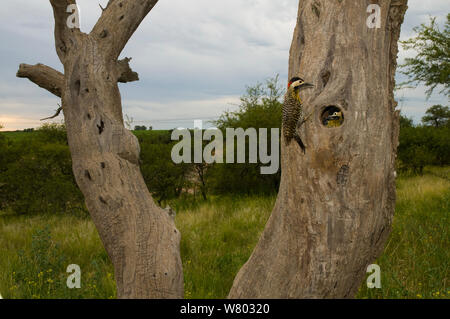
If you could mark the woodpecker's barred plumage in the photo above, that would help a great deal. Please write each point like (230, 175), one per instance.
(292, 111)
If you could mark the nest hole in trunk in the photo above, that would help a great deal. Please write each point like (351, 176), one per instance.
(332, 116)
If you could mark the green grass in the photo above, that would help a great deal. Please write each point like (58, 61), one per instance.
(217, 240)
(32, 265)
(415, 262)
(218, 237)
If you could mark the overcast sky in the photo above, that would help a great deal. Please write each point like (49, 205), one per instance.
(209, 50)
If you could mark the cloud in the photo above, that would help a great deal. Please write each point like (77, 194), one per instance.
(193, 57)
(173, 114)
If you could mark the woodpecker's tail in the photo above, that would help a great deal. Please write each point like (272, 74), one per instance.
(300, 143)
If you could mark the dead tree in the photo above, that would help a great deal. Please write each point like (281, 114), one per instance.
(139, 237)
(336, 202)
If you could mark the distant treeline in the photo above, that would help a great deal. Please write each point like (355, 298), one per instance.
(425, 144)
(36, 170)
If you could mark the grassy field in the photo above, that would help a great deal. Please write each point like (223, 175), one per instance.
(218, 237)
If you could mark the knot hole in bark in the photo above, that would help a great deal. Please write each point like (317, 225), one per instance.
(102, 200)
(325, 78)
(342, 175)
(101, 127)
(315, 7)
(104, 34)
(332, 116)
(77, 86)
(88, 175)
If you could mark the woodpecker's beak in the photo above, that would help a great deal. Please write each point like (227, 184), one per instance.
(305, 86)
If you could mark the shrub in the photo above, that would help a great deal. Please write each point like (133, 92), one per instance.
(164, 179)
(36, 174)
(260, 107)
(423, 145)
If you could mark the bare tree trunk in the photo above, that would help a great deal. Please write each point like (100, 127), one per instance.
(140, 238)
(200, 169)
(335, 204)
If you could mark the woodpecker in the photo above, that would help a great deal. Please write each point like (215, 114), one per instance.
(334, 120)
(293, 116)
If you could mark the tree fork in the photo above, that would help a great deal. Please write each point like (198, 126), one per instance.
(336, 202)
(140, 238)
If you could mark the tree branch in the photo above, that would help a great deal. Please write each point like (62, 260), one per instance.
(118, 22)
(54, 115)
(44, 76)
(125, 71)
(53, 80)
(62, 31)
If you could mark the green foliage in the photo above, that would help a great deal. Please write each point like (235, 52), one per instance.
(421, 146)
(52, 133)
(431, 66)
(260, 107)
(164, 179)
(412, 151)
(154, 137)
(405, 122)
(4, 146)
(437, 116)
(36, 174)
(140, 128)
